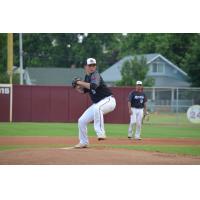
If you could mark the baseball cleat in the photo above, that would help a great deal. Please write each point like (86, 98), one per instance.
(129, 137)
(80, 146)
(138, 138)
(101, 137)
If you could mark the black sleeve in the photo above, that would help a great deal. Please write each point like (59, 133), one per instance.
(85, 90)
(95, 81)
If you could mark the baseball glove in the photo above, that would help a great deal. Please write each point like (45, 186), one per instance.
(74, 81)
(145, 117)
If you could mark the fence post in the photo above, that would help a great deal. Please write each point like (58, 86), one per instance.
(177, 105)
(172, 99)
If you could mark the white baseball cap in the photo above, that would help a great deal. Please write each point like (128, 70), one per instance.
(91, 61)
(139, 83)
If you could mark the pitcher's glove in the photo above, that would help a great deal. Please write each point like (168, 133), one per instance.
(74, 81)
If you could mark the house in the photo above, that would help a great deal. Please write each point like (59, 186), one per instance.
(167, 76)
(164, 72)
(51, 76)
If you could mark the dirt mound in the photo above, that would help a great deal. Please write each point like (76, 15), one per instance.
(92, 156)
(95, 154)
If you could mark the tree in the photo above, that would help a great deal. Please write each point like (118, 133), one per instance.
(173, 46)
(3, 52)
(133, 70)
(67, 49)
(4, 78)
(104, 47)
(192, 62)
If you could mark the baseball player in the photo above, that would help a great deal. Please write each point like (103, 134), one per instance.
(137, 107)
(103, 103)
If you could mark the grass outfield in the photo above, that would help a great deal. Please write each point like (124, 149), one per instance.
(185, 150)
(168, 118)
(118, 130)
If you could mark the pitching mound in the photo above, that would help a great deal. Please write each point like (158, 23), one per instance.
(93, 155)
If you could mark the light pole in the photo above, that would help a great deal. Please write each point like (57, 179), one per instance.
(21, 58)
(10, 55)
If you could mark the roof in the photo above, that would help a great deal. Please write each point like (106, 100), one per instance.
(160, 81)
(113, 73)
(53, 76)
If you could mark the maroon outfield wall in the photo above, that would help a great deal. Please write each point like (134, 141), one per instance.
(57, 104)
(4, 104)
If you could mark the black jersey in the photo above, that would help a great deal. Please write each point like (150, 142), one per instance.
(137, 99)
(98, 89)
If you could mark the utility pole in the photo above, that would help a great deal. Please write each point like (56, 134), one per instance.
(21, 58)
(10, 56)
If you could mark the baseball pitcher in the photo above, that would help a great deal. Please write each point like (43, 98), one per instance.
(103, 103)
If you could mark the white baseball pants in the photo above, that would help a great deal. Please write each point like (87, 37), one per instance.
(95, 113)
(135, 118)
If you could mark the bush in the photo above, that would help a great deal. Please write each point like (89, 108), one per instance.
(4, 78)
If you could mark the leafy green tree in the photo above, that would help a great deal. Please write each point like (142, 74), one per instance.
(173, 46)
(72, 49)
(179, 45)
(67, 49)
(133, 70)
(103, 47)
(180, 48)
(192, 61)
(4, 78)
(3, 52)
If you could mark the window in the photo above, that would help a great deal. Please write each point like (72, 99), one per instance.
(154, 67)
(158, 67)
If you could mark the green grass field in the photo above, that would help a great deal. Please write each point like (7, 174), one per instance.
(185, 150)
(171, 118)
(113, 130)
(120, 130)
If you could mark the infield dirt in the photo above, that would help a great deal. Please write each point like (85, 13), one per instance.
(95, 155)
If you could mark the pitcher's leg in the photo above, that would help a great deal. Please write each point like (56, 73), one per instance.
(103, 107)
(83, 121)
(99, 122)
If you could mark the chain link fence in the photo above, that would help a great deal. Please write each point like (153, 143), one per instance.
(170, 105)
